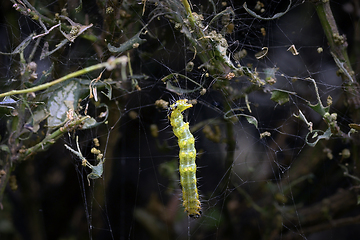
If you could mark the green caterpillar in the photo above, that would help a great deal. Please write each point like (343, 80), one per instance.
(187, 157)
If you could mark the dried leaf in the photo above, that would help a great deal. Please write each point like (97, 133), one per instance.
(277, 15)
(315, 135)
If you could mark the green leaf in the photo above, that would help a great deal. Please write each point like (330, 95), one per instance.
(250, 119)
(315, 135)
(91, 122)
(133, 42)
(109, 91)
(178, 90)
(7, 102)
(5, 148)
(37, 117)
(79, 8)
(277, 15)
(270, 75)
(319, 107)
(280, 96)
(61, 100)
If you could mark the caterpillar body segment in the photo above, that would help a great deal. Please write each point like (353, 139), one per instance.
(187, 156)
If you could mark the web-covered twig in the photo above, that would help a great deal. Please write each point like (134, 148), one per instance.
(97, 170)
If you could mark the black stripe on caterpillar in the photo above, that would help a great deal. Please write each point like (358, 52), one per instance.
(187, 156)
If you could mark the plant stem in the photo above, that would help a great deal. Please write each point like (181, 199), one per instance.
(188, 11)
(4, 178)
(338, 44)
(108, 64)
(51, 139)
(338, 47)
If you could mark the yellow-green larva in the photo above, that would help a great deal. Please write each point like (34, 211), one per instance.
(187, 157)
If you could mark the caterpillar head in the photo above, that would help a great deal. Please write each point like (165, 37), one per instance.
(196, 215)
(181, 105)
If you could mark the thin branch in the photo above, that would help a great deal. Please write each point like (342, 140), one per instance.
(51, 139)
(338, 49)
(338, 44)
(109, 64)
